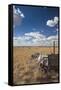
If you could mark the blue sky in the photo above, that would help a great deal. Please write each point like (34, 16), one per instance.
(35, 25)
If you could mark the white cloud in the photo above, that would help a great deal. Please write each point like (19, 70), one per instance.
(52, 22)
(57, 29)
(22, 15)
(55, 20)
(21, 41)
(17, 16)
(35, 35)
(53, 38)
(18, 10)
(35, 39)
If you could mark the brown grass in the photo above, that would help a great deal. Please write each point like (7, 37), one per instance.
(25, 70)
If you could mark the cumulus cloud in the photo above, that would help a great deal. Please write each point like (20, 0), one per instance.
(21, 41)
(35, 39)
(52, 22)
(55, 37)
(17, 16)
(35, 35)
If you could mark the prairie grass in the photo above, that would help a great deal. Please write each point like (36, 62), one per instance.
(25, 70)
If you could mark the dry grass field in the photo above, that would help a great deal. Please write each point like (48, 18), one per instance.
(26, 70)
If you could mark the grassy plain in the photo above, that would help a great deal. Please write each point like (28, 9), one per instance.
(25, 70)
